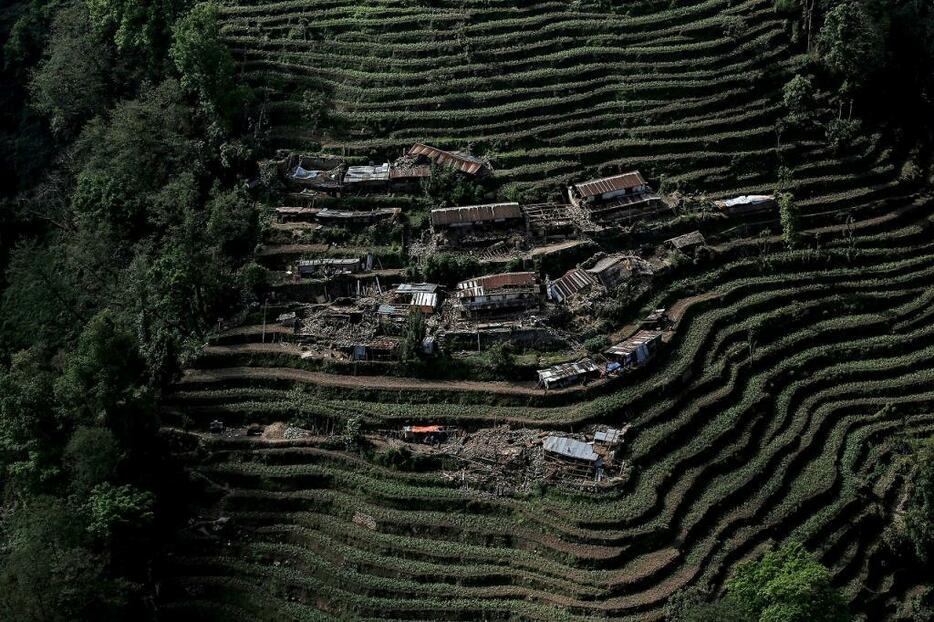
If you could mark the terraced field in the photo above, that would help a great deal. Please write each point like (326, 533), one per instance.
(688, 91)
(770, 414)
(767, 416)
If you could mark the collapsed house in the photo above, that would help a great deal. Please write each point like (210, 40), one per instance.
(351, 218)
(612, 270)
(498, 292)
(747, 204)
(566, 374)
(574, 282)
(573, 457)
(608, 272)
(321, 173)
(481, 335)
(288, 320)
(634, 351)
(405, 177)
(686, 243)
(381, 349)
(421, 297)
(428, 434)
(328, 266)
(494, 215)
(370, 177)
(459, 161)
(548, 220)
(657, 319)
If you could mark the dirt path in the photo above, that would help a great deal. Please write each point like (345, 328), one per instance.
(356, 382)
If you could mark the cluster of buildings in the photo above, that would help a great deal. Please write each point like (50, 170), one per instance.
(367, 308)
(616, 360)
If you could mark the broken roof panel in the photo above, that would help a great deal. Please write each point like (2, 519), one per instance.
(424, 299)
(596, 187)
(574, 281)
(452, 159)
(408, 289)
(628, 346)
(499, 281)
(360, 174)
(468, 214)
(567, 370)
(608, 436)
(746, 199)
(693, 238)
(570, 448)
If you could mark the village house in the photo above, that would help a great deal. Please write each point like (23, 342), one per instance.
(469, 165)
(572, 457)
(747, 204)
(567, 374)
(495, 215)
(607, 188)
(686, 243)
(636, 350)
(329, 266)
(498, 292)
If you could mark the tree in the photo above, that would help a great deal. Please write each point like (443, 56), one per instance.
(787, 585)
(798, 97)
(70, 85)
(114, 509)
(46, 572)
(788, 213)
(411, 347)
(91, 458)
(31, 433)
(206, 65)
(849, 43)
(918, 520)
(138, 29)
(597, 344)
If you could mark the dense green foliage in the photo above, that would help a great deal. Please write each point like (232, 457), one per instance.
(119, 258)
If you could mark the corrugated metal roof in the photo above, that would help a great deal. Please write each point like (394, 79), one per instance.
(570, 448)
(628, 346)
(414, 288)
(499, 281)
(574, 280)
(423, 429)
(360, 174)
(596, 187)
(688, 239)
(327, 261)
(609, 436)
(567, 370)
(424, 299)
(443, 216)
(463, 163)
